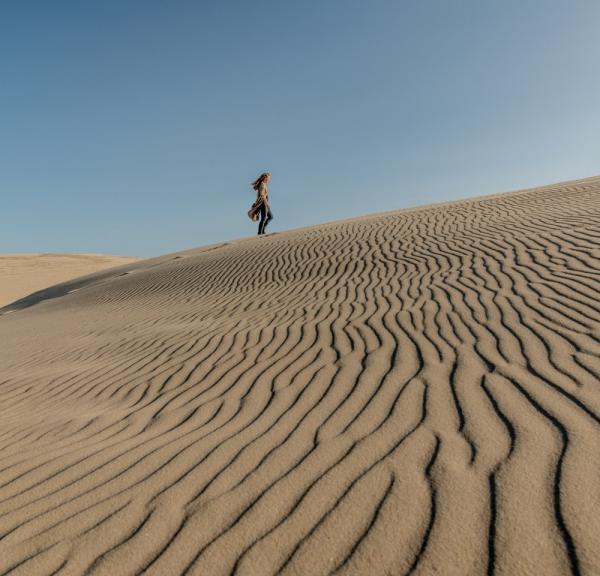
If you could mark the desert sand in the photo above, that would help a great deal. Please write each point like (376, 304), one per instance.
(22, 274)
(414, 392)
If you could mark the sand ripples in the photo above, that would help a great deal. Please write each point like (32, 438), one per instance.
(411, 393)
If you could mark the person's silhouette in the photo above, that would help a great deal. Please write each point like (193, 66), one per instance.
(261, 205)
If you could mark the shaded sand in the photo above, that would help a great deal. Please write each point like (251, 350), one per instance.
(22, 274)
(415, 392)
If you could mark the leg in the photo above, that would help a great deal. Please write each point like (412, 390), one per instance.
(268, 218)
(263, 219)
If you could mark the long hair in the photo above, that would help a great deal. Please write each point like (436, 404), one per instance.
(259, 180)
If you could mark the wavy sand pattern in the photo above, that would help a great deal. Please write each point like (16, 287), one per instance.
(415, 392)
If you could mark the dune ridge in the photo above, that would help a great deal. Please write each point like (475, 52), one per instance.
(23, 274)
(414, 392)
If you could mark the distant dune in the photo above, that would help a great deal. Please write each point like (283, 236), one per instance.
(415, 392)
(22, 274)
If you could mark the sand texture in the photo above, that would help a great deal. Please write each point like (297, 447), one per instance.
(415, 392)
(23, 274)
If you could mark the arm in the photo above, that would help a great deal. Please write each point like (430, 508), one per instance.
(262, 191)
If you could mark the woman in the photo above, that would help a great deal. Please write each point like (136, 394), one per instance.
(261, 205)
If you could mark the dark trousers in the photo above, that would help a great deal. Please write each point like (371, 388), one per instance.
(265, 217)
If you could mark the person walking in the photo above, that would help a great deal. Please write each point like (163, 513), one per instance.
(261, 206)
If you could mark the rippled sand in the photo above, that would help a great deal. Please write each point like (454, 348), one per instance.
(415, 392)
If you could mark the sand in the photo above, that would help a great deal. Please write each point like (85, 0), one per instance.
(22, 274)
(415, 392)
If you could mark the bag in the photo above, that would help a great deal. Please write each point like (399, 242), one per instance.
(253, 213)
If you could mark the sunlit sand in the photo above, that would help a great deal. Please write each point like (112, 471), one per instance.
(415, 392)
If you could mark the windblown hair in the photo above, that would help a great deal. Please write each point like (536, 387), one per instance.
(259, 180)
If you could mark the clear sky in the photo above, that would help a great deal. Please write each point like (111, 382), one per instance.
(135, 127)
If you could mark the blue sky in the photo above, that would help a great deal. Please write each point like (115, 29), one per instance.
(135, 127)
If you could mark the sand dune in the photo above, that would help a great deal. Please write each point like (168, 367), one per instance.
(415, 392)
(22, 274)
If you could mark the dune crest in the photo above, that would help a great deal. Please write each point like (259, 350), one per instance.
(416, 392)
(23, 274)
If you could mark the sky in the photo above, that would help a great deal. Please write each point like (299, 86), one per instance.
(135, 127)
